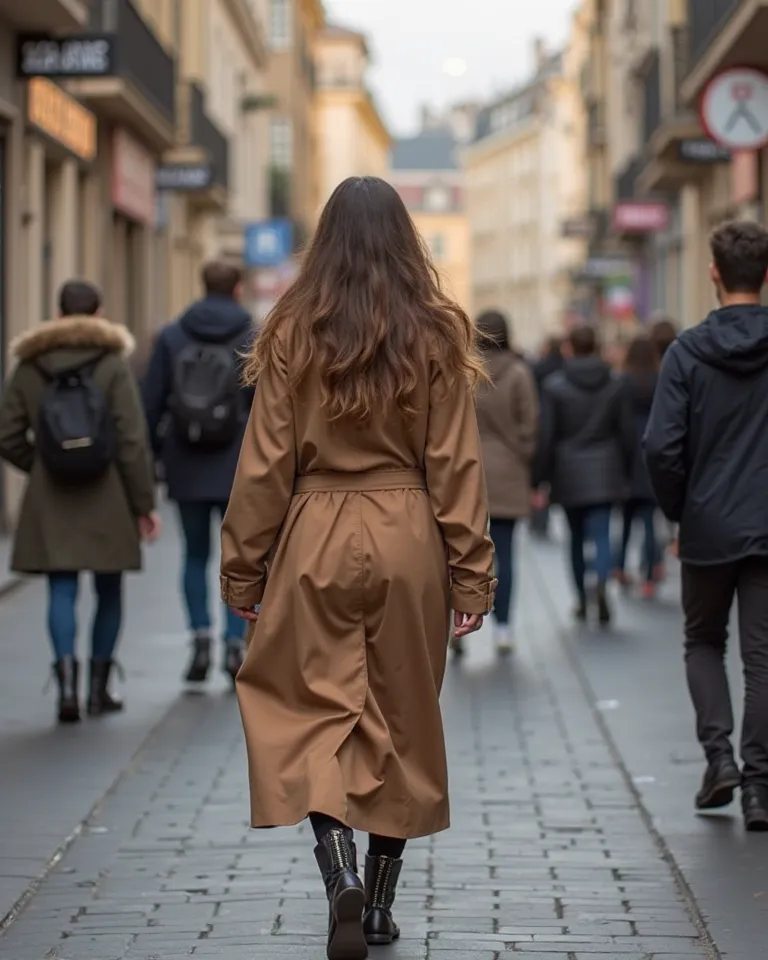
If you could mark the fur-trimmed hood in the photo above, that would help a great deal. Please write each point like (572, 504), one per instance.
(73, 333)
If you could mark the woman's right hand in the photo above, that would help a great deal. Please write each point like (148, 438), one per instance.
(252, 615)
(466, 623)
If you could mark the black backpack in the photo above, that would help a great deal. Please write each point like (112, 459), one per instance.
(76, 438)
(206, 402)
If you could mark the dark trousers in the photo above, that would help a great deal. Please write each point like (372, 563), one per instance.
(503, 536)
(708, 594)
(645, 511)
(590, 523)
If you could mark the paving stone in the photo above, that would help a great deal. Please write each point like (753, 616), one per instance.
(548, 855)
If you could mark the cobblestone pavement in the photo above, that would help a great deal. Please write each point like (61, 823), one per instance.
(550, 853)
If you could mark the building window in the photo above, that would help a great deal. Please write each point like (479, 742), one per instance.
(281, 143)
(280, 24)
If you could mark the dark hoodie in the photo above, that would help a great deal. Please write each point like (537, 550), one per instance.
(706, 445)
(191, 473)
(587, 440)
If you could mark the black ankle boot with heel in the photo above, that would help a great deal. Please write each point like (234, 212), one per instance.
(67, 672)
(100, 700)
(337, 858)
(381, 876)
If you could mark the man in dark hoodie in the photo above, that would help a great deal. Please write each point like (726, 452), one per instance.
(586, 453)
(707, 452)
(197, 410)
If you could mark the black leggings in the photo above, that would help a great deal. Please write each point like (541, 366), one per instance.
(377, 846)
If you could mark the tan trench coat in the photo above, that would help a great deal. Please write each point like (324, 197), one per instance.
(372, 533)
(508, 418)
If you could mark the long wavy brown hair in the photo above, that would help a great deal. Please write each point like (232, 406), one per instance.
(367, 293)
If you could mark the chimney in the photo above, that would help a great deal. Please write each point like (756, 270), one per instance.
(539, 54)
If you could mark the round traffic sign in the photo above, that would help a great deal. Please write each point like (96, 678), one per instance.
(734, 108)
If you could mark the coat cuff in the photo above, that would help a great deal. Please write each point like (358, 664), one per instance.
(240, 595)
(473, 599)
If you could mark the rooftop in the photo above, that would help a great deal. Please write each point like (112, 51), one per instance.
(429, 150)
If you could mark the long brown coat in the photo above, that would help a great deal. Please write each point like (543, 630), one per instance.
(91, 526)
(376, 531)
(508, 418)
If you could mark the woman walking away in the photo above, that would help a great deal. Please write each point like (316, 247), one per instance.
(357, 520)
(508, 418)
(72, 420)
(641, 370)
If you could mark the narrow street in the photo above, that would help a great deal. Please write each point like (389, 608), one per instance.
(573, 769)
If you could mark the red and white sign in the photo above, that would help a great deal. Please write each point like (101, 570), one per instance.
(133, 178)
(640, 217)
(734, 108)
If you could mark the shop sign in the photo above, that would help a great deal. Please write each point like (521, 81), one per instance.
(54, 113)
(184, 176)
(640, 217)
(268, 243)
(85, 55)
(598, 268)
(133, 178)
(734, 108)
(703, 150)
(619, 300)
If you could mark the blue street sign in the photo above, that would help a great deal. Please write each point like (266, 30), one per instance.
(268, 243)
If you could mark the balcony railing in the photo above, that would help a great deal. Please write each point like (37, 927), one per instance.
(705, 18)
(207, 135)
(652, 97)
(141, 58)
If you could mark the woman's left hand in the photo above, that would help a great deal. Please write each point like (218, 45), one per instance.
(251, 615)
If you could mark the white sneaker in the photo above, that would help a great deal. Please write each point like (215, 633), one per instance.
(502, 636)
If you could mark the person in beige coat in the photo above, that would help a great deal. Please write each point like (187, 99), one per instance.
(508, 417)
(357, 520)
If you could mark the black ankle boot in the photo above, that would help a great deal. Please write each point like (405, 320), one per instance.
(233, 660)
(200, 664)
(337, 858)
(381, 876)
(67, 671)
(603, 607)
(100, 700)
(754, 803)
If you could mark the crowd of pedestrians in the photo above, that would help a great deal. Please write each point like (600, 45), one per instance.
(370, 456)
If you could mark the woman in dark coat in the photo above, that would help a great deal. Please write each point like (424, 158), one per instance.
(68, 528)
(641, 370)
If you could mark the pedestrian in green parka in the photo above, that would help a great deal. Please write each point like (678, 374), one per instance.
(92, 523)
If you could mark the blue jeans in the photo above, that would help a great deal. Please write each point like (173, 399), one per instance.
(590, 523)
(503, 536)
(646, 511)
(62, 613)
(196, 526)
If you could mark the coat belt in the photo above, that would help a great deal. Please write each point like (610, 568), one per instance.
(366, 482)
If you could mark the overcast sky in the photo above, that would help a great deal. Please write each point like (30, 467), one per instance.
(420, 47)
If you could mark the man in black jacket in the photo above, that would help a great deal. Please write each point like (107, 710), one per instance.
(586, 454)
(550, 361)
(707, 452)
(197, 411)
